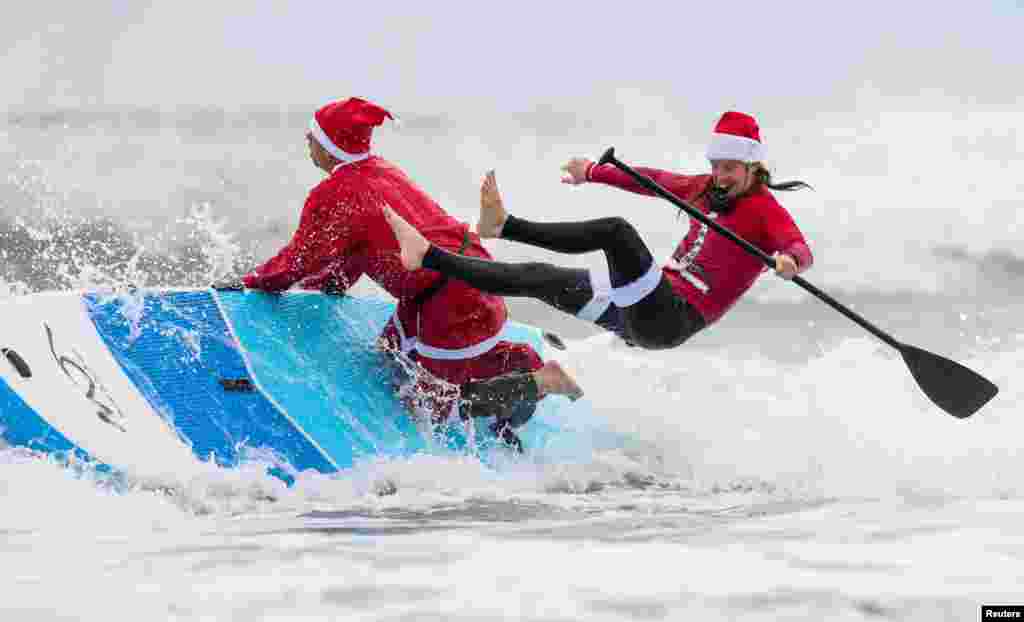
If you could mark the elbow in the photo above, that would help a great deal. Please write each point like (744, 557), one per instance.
(806, 260)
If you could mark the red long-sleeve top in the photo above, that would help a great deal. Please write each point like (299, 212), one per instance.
(342, 235)
(708, 270)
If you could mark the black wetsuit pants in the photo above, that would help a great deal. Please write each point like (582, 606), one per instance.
(659, 320)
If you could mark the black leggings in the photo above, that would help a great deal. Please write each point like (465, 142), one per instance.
(659, 320)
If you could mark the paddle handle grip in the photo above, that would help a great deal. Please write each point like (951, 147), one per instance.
(609, 158)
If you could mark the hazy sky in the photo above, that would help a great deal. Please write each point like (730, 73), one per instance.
(905, 116)
(448, 56)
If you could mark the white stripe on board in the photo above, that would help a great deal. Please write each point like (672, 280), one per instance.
(259, 386)
(138, 438)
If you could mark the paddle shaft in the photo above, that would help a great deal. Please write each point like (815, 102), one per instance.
(650, 184)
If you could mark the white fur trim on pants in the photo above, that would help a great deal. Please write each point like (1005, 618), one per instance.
(460, 353)
(601, 285)
(632, 293)
(407, 344)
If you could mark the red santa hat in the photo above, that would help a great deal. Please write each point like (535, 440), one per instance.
(736, 137)
(344, 127)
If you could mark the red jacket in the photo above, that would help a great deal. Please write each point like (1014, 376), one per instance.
(708, 270)
(342, 235)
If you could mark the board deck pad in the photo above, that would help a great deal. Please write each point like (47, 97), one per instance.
(315, 355)
(177, 351)
(293, 379)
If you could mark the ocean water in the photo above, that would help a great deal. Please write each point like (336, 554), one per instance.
(782, 465)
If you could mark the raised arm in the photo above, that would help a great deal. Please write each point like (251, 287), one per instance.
(581, 170)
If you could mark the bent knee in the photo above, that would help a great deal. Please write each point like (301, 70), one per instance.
(621, 227)
(650, 342)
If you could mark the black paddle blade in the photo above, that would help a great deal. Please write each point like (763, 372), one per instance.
(954, 388)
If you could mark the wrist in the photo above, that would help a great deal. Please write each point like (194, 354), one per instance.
(589, 170)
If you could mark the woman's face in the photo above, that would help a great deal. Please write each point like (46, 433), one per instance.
(731, 175)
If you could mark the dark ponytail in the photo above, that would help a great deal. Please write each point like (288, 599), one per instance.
(763, 176)
(719, 202)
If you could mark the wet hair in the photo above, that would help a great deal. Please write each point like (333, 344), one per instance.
(763, 176)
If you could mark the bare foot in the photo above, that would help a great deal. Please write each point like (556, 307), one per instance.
(414, 246)
(553, 379)
(492, 210)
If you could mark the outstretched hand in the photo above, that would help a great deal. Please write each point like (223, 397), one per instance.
(232, 284)
(575, 171)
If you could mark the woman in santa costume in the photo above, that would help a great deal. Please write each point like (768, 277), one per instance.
(445, 325)
(649, 305)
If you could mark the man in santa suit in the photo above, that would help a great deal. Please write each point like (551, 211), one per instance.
(450, 329)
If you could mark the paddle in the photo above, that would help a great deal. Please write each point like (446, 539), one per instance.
(951, 386)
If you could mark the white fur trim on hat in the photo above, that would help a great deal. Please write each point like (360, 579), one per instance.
(732, 147)
(328, 144)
